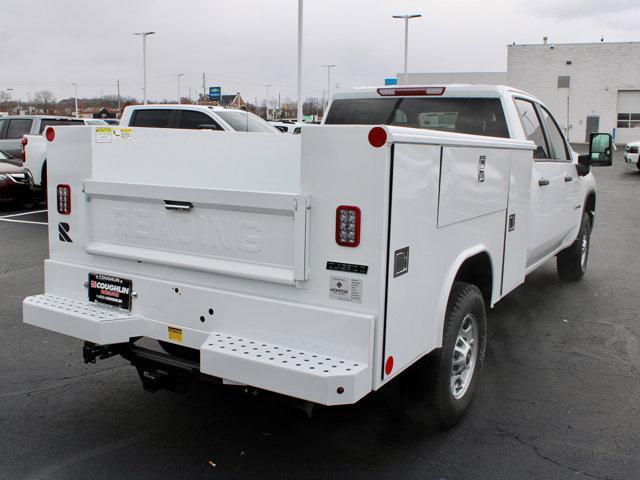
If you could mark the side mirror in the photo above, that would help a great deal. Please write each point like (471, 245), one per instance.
(601, 150)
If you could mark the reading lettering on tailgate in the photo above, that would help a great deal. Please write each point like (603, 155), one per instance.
(207, 230)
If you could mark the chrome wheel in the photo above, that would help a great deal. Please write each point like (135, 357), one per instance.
(465, 355)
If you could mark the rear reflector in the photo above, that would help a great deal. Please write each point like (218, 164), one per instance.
(64, 199)
(50, 134)
(377, 137)
(348, 226)
(411, 91)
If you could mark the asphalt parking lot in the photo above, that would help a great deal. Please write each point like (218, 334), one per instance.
(559, 397)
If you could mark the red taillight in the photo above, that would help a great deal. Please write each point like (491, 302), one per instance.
(64, 199)
(411, 91)
(348, 226)
(24, 142)
(50, 134)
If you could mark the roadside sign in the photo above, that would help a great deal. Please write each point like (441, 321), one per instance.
(390, 81)
(215, 93)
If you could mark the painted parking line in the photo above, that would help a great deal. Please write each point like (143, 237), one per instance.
(12, 218)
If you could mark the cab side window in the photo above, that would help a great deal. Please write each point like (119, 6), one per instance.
(532, 128)
(155, 118)
(193, 120)
(558, 146)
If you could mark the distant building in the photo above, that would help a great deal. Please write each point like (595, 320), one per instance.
(230, 101)
(588, 86)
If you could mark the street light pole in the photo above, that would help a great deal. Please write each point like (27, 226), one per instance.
(144, 63)
(267, 99)
(300, 22)
(328, 67)
(178, 75)
(406, 19)
(75, 96)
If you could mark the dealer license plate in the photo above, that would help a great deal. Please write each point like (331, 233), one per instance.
(110, 290)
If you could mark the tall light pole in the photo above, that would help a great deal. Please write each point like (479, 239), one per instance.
(178, 75)
(300, 22)
(144, 63)
(267, 99)
(406, 19)
(75, 96)
(328, 67)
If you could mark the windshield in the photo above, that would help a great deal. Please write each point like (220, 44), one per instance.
(96, 122)
(246, 122)
(476, 116)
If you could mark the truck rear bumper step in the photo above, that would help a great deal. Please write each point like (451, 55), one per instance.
(307, 374)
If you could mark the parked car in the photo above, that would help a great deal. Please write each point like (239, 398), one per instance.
(34, 148)
(13, 128)
(632, 154)
(323, 266)
(14, 184)
(194, 117)
(287, 127)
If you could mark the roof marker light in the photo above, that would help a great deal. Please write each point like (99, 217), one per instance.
(411, 91)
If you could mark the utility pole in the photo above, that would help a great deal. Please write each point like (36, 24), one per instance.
(267, 99)
(144, 63)
(328, 67)
(204, 84)
(119, 102)
(406, 19)
(178, 75)
(75, 95)
(300, 31)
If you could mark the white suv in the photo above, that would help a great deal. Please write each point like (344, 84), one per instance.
(194, 117)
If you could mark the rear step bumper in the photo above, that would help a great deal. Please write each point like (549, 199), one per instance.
(306, 374)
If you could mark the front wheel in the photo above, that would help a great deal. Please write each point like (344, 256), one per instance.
(455, 368)
(572, 261)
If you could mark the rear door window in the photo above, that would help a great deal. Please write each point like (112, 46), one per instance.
(193, 120)
(19, 127)
(532, 127)
(155, 118)
(3, 123)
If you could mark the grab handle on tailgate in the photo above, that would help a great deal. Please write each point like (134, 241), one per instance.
(178, 206)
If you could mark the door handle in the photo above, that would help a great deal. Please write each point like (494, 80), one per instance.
(568, 179)
(178, 206)
(543, 182)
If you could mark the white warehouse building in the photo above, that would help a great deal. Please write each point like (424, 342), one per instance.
(588, 86)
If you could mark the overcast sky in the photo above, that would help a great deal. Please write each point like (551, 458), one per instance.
(245, 44)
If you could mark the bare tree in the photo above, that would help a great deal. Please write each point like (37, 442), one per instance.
(312, 106)
(4, 96)
(44, 100)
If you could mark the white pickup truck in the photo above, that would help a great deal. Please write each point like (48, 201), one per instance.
(322, 265)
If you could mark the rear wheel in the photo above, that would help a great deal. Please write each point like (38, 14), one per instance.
(572, 261)
(455, 368)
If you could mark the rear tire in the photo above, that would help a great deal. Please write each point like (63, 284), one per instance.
(454, 369)
(572, 261)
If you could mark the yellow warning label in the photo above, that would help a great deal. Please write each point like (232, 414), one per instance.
(123, 133)
(103, 135)
(175, 334)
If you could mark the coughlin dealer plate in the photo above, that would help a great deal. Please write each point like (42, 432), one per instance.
(110, 290)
